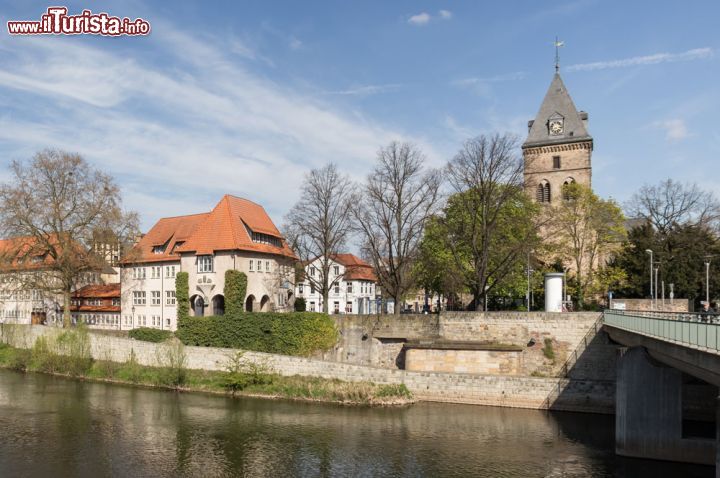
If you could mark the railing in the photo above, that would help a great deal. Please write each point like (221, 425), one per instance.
(697, 330)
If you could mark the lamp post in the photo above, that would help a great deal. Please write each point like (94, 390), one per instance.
(649, 251)
(707, 280)
(527, 295)
(655, 295)
(132, 324)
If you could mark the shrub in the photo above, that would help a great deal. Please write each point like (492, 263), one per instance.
(300, 304)
(172, 362)
(242, 373)
(299, 333)
(393, 391)
(148, 334)
(235, 290)
(131, 370)
(548, 350)
(20, 359)
(182, 295)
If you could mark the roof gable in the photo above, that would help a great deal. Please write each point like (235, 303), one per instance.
(557, 104)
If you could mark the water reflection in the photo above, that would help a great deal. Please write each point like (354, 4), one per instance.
(57, 427)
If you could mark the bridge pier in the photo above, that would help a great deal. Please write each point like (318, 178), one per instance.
(648, 415)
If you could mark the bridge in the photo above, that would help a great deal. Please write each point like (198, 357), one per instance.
(668, 375)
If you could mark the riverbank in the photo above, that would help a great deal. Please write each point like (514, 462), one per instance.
(243, 380)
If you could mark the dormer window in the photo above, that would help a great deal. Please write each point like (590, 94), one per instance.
(158, 249)
(204, 264)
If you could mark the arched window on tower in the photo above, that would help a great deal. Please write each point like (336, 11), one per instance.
(566, 191)
(543, 192)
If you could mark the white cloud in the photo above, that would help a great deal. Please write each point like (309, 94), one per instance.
(695, 54)
(445, 14)
(183, 132)
(419, 19)
(295, 43)
(365, 90)
(675, 129)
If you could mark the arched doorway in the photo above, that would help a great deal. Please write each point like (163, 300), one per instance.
(249, 303)
(197, 304)
(218, 305)
(264, 303)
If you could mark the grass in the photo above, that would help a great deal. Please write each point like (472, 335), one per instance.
(240, 378)
(548, 350)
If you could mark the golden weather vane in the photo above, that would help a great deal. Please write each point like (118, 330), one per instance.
(558, 44)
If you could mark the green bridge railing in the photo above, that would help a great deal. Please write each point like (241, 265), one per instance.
(695, 330)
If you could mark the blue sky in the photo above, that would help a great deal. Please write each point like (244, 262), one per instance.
(245, 97)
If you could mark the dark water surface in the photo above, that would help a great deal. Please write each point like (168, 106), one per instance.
(55, 427)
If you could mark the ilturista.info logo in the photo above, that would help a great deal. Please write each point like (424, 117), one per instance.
(56, 21)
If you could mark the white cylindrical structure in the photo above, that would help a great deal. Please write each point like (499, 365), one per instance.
(553, 291)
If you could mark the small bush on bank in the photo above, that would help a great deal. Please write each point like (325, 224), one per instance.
(299, 304)
(131, 370)
(147, 334)
(548, 350)
(172, 364)
(299, 333)
(242, 373)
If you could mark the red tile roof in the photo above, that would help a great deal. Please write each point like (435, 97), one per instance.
(98, 291)
(226, 228)
(355, 268)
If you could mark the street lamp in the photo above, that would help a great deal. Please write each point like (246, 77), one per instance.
(707, 280)
(132, 324)
(649, 251)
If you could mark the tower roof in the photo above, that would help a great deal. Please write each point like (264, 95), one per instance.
(557, 103)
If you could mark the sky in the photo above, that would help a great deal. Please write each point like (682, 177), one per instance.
(246, 97)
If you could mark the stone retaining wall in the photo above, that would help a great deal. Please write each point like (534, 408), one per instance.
(505, 391)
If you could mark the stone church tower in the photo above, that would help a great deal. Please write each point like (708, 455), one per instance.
(558, 147)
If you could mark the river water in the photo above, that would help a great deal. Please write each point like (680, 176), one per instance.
(56, 427)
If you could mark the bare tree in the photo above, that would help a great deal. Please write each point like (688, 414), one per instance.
(672, 203)
(317, 227)
(395, 202)
(55, 207)
(490, 224)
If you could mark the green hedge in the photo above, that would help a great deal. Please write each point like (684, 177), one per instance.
(298, 333)
(182, 294)
(235, 290)
(299, 304)
(148, 334)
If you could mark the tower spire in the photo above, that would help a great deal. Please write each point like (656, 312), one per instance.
(558, 44)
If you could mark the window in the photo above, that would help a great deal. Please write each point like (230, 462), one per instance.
(312, 271)
(312, 306)
(169, 297)
(251, 264)
(543, 192)
(116, 302)
(349, 287)
(336, 270)
(337, 289)
(139, 297)
(158, 249)
(300, 289)
(312, 288)
(155, 297)
(566, 190)
(167, 322)
(143, 273)
(205, 264)
(336, 307)
(267, 266)
(556, 162)
(348, 307)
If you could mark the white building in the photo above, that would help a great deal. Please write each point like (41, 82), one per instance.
(353, 286)
(237, 234)
(22, 264)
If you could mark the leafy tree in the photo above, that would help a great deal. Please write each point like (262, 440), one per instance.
(489, 222)
(435, 269)
(587, 231)
(679, 253)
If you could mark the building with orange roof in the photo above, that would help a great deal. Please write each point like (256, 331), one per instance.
(27, 294)
(353, 286)
(97, 305)
(236, 235)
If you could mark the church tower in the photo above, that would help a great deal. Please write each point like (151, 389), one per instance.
(558, 147)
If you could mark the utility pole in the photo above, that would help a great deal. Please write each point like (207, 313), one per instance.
(707, 280)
